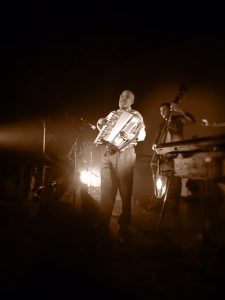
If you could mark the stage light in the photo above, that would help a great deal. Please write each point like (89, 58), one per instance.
(161, 184)
(85, 177)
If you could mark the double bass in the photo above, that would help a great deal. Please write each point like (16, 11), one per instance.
(161, 182)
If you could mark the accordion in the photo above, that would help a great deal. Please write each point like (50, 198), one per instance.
(118, 122)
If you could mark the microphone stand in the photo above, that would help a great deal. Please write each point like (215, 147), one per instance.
(37, 186)
(74, 151)
(43, 152)
(44, 137)
(206, 123)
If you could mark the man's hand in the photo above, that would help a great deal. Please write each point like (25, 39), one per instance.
(127, 137)
(174, 107)
(124, 135)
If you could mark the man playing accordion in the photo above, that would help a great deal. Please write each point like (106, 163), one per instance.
(119, 133)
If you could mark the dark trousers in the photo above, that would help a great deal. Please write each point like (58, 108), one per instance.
(117, 174)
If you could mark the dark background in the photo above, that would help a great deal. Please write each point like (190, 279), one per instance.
(61, 62)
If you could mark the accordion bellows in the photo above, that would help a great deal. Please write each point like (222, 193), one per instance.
(110, 133)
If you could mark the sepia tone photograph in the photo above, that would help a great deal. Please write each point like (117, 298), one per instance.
(112, 150)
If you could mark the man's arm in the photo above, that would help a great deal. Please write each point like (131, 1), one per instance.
(188, 118)
(142, 133)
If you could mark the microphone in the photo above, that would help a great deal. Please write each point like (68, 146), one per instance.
(89, 124)
(205, 122)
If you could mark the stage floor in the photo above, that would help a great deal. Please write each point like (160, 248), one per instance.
(52, 246)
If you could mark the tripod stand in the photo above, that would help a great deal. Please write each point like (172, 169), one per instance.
(73, 154)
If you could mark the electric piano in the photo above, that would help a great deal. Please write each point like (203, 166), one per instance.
(201, 158)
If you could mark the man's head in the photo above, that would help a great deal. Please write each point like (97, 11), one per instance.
(126, 99)
(164, 109)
